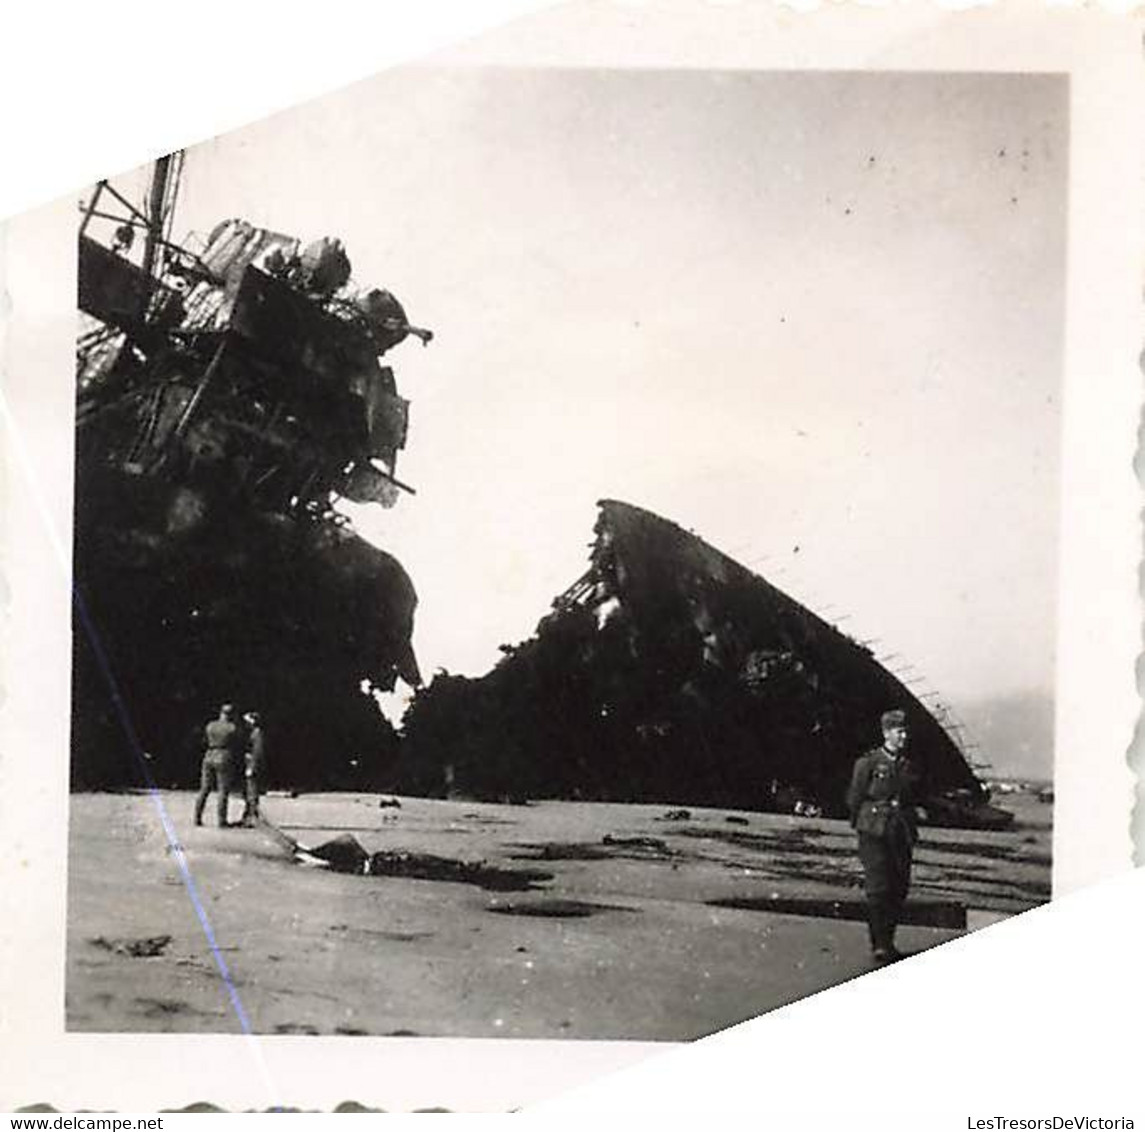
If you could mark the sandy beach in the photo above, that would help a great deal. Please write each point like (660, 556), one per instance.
(597, 921)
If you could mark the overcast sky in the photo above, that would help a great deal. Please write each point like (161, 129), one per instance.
(814, 317)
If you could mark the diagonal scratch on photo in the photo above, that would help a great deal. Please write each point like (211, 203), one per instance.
(564, 553)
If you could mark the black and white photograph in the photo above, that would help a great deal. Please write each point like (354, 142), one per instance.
(573, 557)
(564, 553)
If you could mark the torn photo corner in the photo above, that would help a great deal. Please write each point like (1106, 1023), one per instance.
(563, 547)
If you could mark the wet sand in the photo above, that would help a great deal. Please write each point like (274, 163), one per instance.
(614, 935)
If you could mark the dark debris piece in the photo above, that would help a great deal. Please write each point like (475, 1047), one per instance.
(636, 842)
(557, 909)
(931, 913)
(145, 948)
(344, 854)
(426, 866)
(561, 851)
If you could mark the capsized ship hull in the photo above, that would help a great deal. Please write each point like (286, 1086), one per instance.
(671, 673)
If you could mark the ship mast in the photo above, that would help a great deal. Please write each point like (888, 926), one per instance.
(153, 216)
(156, 217)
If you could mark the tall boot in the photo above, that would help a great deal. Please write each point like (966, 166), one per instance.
(882, 931)
(894, 913)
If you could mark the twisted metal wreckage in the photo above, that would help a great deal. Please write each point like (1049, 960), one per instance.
(669, 672)
(227, 398)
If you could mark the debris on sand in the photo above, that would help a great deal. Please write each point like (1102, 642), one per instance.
(562, 851)
(426, 866)
(345, 854)
(146, 948)
(611, 846)
(735, 819)
(169, 1008)
(557, 909)
(928, 913)
(657, 844)
(951, 811)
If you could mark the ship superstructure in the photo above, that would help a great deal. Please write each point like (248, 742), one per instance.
(230, 391)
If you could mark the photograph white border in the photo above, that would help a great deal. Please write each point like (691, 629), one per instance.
(1098, 637)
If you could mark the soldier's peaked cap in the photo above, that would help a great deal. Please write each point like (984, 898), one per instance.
(894, 718)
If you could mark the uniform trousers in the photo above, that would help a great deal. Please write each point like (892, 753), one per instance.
(253, 793)
(216, 773)
(886, 862)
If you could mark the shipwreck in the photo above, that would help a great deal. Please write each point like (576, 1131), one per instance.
(230, 392)
(670, 673)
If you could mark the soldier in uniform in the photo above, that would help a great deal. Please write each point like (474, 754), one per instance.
(882, 813)
(255, 766)
(220, 763)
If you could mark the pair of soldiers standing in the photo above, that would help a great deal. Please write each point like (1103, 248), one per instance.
(236, 753)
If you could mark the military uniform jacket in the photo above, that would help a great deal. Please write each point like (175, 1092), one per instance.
(881, 793)
(221, 735)
(256, 752)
